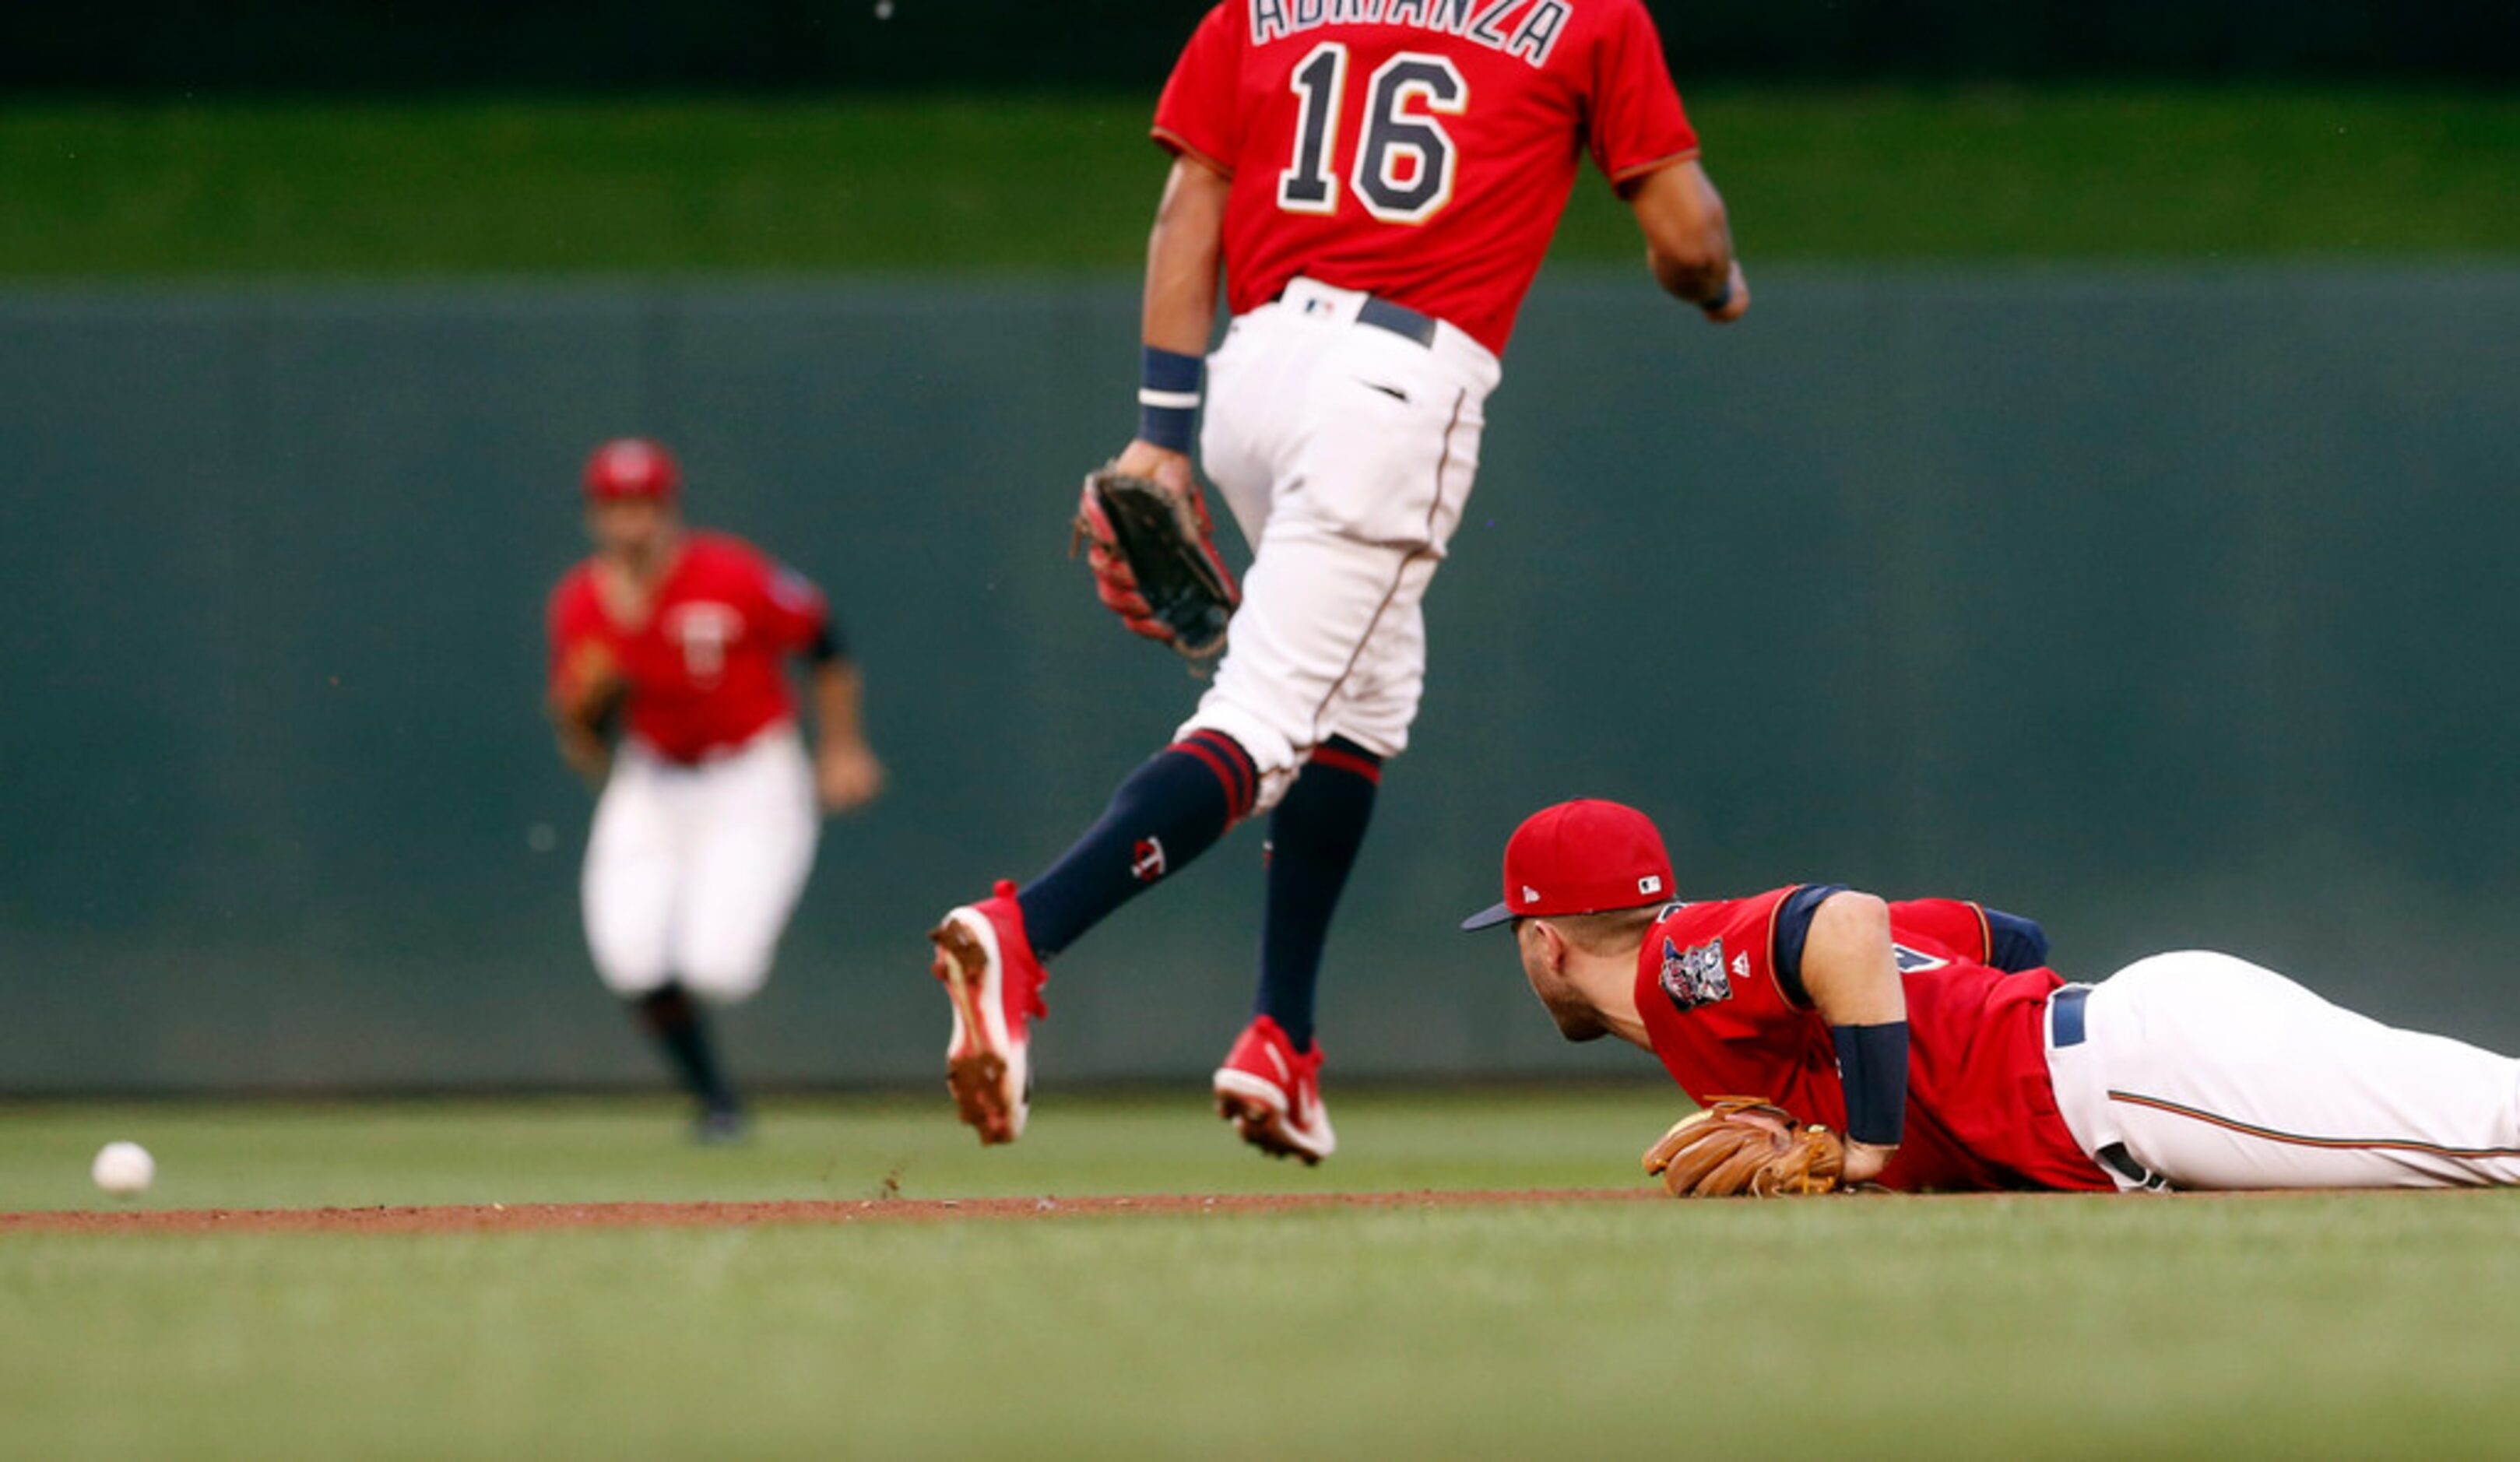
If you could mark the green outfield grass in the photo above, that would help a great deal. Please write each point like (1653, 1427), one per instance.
(2325, 1326)
(1032, 183)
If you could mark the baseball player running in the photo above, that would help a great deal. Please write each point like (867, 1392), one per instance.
(1378, 182)
(707, 823)
(1935, 1038)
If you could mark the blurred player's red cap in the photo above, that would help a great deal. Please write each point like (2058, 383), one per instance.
(632, 466)
(1581, 856)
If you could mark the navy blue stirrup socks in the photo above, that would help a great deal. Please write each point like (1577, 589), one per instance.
(1171, 810)
(1313, 840)
(673, 1019)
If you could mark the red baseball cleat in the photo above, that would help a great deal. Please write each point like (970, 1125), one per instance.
(990, 973)
(1273, 1097)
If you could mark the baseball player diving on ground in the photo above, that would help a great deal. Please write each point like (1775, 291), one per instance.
(1378, 194)
(706, 828)
(1837, 1040)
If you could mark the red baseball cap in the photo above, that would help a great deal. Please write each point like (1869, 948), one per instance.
(632, 466)
(1581, 856)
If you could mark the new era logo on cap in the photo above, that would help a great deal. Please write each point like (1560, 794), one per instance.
(1591, 856)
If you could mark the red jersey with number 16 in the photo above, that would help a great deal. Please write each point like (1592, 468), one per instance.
(1418, 150)
(1981, 1108)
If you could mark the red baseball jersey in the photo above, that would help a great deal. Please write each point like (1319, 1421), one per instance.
(705, 672)
(1420, 150)
(1981, 1109)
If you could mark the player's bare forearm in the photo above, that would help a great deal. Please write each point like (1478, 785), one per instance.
(1689, 239)
(839, 697)
(847, 773)
(1851, 971)
(1182, 255)
(584, 696)
(1849, 967)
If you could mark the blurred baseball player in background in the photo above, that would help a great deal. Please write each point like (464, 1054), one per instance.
(706, 828)
(1935, 1038)
(1378, 194)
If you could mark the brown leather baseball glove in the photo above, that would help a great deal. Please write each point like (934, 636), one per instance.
(1155, 562)
(1746, 1145)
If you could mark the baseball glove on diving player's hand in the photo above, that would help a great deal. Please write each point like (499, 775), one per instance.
(1742, 1145)
(1155, 562)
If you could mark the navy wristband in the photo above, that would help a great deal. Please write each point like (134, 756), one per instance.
(1873, 1068)
(1169, 386)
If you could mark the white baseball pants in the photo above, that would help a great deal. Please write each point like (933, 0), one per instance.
(2213, 1073)
(691, 870)
(1345, 452)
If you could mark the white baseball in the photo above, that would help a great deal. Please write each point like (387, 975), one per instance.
(123, 1168)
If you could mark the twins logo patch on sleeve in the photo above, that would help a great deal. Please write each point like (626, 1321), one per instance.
(1694, 976)
(792, 589)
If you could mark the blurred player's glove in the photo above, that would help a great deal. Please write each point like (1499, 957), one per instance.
(590, 686)
(1155, 562)
(1742, 1145)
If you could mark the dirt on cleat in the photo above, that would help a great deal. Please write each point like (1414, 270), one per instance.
(976, 1078)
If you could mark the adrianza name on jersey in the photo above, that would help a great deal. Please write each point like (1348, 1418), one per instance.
(1491, 24)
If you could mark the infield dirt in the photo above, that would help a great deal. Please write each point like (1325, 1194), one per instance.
(494, 1217)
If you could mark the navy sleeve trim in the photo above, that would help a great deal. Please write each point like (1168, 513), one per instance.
(2015, 942)
(1793, 926)
(830, 646)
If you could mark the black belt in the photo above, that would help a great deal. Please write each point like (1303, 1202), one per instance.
(1398, 318)
(2066, 1028)
(2065, 1015)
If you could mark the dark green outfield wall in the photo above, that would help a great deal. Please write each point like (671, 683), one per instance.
(2174, 608)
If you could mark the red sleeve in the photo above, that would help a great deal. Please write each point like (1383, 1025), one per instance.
(1637, 123)
(1197, 115)
(793, 612)
(1716, 960)
(1706, 991)
(1957, 925)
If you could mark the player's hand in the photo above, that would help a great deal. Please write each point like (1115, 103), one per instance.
(1865, 1162)
(1737, 299)
(589, 757)
(1167, 470)
(847, 777)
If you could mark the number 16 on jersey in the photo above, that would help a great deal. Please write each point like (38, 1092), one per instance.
(1405, 160)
